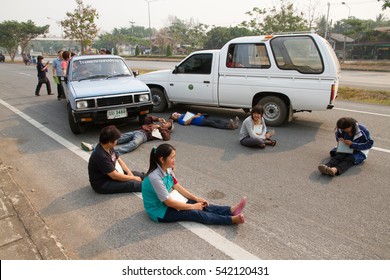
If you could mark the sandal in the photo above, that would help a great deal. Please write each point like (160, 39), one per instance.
(270, 142)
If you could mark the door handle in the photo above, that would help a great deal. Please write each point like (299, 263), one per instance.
(171, 84)
(206, 82)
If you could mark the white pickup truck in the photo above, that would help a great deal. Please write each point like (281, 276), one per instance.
(286, 74)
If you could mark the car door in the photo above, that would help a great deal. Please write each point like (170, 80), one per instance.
(192, 80)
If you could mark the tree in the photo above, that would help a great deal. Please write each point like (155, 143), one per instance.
(285, 19)
(386, 4)
(80, 25)
(219, 36)
(9, 37)
(28, 31)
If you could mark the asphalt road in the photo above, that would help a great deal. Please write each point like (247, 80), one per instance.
(293, 211)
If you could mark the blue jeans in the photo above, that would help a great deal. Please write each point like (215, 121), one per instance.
(132, 140)
(210, 215)
(222, 124)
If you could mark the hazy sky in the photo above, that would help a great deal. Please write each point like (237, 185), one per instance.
(119, 13)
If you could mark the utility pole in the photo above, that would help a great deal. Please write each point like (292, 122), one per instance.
(150, 28)
(327, 23)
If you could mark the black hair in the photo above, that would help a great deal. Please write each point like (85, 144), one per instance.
(257, 109)
(109, 134)
(65, 55)
(163, 150)
(345, 122)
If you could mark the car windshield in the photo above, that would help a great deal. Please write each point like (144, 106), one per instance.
(99, 68)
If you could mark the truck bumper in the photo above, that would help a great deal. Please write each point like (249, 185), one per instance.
(100, 116)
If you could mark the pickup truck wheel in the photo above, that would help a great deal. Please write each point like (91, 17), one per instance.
(275, 110)
(160, 103)
(74, 127)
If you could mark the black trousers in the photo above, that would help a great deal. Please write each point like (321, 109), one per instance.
(342, 162)
(41, 81)
(60, 89)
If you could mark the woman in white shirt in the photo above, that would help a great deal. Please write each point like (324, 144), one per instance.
(253, 132)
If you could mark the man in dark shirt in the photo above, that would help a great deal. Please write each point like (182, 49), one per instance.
(107, 172)
(42, 79)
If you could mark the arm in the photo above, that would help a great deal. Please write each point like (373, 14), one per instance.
(188, 122)
(178, 205)
(364, 142)
(115, 175)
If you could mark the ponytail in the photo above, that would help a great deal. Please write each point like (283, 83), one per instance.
(162, 151)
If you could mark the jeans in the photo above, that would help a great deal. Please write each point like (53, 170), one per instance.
(132, 140)
(210, 215)
(222, 124)
(252, 142)
(342, 162)
(122, 187)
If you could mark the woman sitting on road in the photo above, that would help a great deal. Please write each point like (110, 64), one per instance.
(161, 204)
(357, 141)
(254, 132)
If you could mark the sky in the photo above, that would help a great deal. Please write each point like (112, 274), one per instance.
(121, 13)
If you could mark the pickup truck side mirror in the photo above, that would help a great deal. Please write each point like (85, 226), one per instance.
(176, 70)
(135, 73)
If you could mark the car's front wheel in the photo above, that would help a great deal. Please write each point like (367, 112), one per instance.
(160, 103)
(75, 127)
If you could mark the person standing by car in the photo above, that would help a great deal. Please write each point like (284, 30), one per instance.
(107, 172)
(57, 73)
(64, 63)
(42, 79)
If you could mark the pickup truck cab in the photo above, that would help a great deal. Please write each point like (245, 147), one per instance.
(286, 74)
(100, 89)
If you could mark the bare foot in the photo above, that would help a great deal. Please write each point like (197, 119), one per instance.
(237, 209)
(239, 219)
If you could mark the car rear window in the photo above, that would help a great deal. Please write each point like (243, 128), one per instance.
(298, 53)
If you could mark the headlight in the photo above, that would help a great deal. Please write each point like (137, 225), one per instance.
(81, 104)
(144, 97)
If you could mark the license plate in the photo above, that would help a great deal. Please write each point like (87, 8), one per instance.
(116, 114)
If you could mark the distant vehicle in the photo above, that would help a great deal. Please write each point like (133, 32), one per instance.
(2, 57)
(101, 89)
(285, 73)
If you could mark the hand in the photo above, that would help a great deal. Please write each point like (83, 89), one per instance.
(203, 201)
(198, 206)
(137, 178)
(347, 142)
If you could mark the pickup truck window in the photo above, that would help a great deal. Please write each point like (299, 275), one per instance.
(297, 53)
(196, 64)
(247, 56)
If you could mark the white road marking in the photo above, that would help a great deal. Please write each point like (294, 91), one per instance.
(219, 242)
(362, 112)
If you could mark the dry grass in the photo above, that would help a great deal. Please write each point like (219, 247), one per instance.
(364, 95)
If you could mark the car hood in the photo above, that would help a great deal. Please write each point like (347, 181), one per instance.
(100, 87)
(155, 75)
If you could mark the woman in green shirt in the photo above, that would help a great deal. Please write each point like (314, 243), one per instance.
(163, 205)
